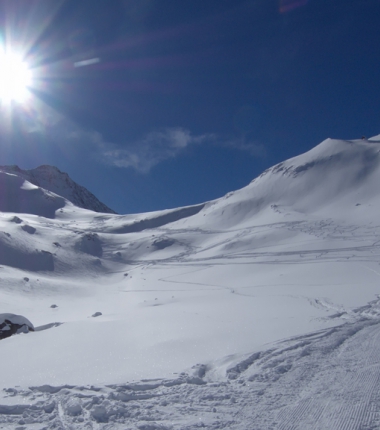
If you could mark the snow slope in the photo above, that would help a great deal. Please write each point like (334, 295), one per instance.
(265, 297)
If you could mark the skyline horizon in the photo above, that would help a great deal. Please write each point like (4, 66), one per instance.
(156, 107)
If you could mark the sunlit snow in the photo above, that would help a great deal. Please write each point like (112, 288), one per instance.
(257, 310)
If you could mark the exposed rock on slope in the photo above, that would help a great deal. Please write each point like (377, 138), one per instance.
(13, 324)
(52, 179)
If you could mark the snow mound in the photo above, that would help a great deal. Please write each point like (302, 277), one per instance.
(22, 255)
(16, 319)
(20, 196)
(14, 324)
(163, 242)
(90, 243)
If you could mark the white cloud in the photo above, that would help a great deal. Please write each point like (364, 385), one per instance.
(158, 146)
(142, 154)
(154, 148)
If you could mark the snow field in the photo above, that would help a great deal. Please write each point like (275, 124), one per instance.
(317, 381)
(258, 310)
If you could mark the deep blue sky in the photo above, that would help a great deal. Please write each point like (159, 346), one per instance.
(186, 100)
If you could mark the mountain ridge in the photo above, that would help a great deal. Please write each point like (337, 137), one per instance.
(52, 179)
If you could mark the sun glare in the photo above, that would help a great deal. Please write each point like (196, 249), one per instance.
(15, 77)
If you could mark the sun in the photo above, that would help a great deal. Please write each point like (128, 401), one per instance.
(15, 77)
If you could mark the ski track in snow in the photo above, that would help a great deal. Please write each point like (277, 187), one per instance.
(312, 382)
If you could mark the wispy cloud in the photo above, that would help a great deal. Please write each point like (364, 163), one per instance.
(141, 154)
(158, 146)
(154, 148)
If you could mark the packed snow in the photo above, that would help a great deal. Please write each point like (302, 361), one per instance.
(259, 310)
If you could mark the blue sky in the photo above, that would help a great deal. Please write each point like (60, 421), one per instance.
(153, 104)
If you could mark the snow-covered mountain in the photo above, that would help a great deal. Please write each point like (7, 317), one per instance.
(258, 310)
(52, 179)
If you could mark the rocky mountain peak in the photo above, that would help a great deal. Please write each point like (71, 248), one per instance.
(52, 179)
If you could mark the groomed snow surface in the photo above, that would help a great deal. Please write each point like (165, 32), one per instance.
(259, 310)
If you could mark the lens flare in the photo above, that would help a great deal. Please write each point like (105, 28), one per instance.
(15, 77)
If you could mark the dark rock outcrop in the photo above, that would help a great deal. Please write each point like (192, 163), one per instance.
(11, 324)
